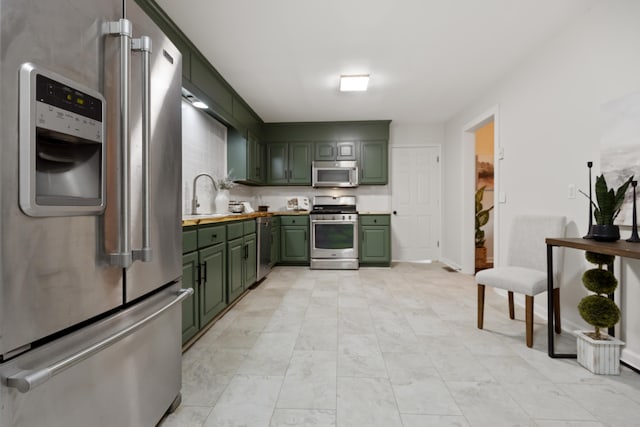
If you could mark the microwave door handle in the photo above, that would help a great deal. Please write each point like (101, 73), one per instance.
(143, 45)
(123, 258)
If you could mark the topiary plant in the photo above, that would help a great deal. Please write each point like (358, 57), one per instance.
(598, 310)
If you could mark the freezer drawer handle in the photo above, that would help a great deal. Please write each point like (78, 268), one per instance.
(27, 380)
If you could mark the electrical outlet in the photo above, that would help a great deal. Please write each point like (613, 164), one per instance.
(571, 191)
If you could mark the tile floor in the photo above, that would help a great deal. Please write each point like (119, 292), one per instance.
(387, 347)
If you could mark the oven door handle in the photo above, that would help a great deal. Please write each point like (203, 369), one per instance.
(333, 221)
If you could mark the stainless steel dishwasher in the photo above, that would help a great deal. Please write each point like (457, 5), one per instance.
(264, 246)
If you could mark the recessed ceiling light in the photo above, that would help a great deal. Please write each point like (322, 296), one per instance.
(200, 104)
(354, 83)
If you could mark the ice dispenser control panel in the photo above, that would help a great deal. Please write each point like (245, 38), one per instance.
(62, 147)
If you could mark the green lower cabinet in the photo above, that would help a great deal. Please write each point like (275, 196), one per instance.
(212, 282)
(294, 240)
(242, 258)
(375, 240)
(235, 251)
(250, 273)
(203, 270)
(190, 317)
(275, 240)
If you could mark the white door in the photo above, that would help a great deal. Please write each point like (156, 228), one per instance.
(415, 203)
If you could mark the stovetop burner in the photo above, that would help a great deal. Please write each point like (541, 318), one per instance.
(333, 209)
(334, 205)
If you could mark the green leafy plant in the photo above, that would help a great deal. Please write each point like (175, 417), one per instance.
(598, 310)
(482, 217)
(609, 201)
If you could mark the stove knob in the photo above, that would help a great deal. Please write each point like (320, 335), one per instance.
(343, 217)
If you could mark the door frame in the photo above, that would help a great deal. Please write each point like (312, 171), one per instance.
(440, 192)
(469, 184)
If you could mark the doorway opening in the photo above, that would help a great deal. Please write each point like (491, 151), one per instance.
(484, 196)
(475, 176)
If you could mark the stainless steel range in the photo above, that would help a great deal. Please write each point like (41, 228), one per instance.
(334, 233)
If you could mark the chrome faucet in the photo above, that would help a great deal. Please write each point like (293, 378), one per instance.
(194, 200)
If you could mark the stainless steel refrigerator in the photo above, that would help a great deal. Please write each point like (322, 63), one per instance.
(90, 236)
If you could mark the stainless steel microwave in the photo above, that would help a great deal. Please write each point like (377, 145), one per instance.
(342, 174)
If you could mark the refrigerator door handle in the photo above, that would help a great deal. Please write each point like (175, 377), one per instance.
(123, 258)
(27, 380)
(143, 45)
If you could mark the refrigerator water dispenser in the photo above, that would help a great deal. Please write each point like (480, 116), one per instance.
(62, 147)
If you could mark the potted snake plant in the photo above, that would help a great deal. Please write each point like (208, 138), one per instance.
(609, 203)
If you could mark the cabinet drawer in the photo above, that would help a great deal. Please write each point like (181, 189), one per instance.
(275, 221)
(249, 227)
(208, 236)
(189, 239)
(294, 220)
(375, 219)
(235, 230)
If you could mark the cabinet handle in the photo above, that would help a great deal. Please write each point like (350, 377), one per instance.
(375, 220)
(204, 268)
(214, 236)
(305, 235)
(246, 251)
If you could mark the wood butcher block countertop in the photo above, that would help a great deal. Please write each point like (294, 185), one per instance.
(188, 220)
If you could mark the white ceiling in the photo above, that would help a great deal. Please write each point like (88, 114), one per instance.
(427, 58)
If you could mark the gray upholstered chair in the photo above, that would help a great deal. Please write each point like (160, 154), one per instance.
(526, 268)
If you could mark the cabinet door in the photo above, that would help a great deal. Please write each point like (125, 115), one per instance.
(324, 151)
(254, 158)
(373, 162)
(235, 259)
(374, 245)
(300, 163)
(275, 245)
(277, 163)
(250, 261)
(294, 244)
(346, 150)
(190, 315)
(213, 284)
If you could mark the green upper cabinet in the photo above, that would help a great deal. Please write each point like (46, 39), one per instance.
(330, 150)
(324, 151)
(289, 163)
(245, 157)
(373, 161)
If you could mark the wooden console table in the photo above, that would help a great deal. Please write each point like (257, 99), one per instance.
(620, 248)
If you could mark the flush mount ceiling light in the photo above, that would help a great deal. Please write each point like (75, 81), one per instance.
(354, 83)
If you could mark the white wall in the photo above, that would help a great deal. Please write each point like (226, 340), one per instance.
(549, 126)
(204, 150)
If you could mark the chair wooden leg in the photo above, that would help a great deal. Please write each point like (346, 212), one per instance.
(480, 306)
(512, 314)
(529, 319)
(556, 310)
